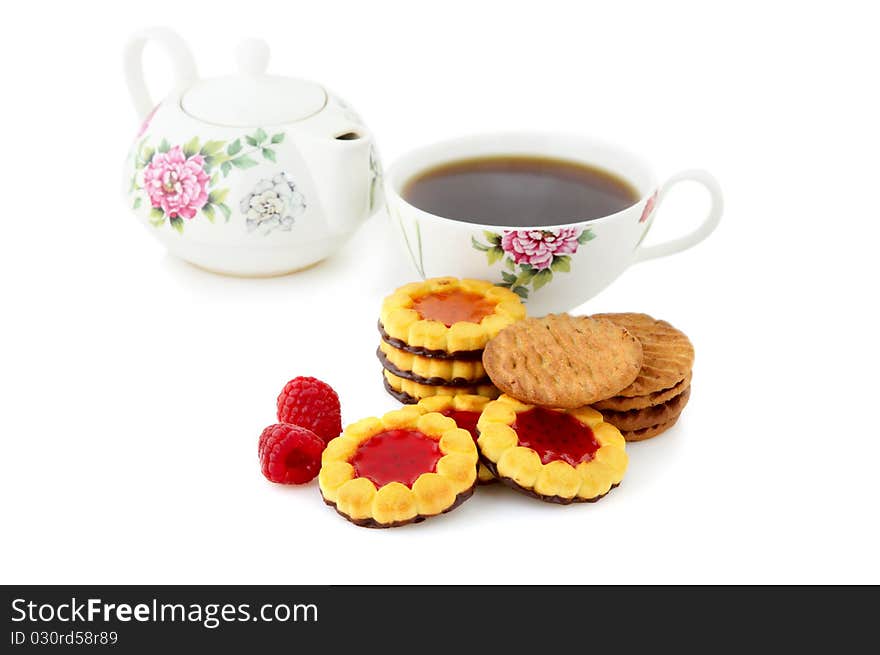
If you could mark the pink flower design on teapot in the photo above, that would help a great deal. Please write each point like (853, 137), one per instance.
(176, 183)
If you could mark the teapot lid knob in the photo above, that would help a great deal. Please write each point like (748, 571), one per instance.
(252, 97)
(252, 56)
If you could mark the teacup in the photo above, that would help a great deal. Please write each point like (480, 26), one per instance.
(554, 268)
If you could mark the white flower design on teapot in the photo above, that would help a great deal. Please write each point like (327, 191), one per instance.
(273, 204)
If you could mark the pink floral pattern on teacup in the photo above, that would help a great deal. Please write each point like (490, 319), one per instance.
(538, 247)
(176, 183)
(649, 208)
(531, 257)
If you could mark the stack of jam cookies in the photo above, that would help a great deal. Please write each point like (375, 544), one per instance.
(433, 336)
(652, 403)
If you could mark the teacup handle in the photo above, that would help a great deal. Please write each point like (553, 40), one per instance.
(177, 51)
(706, 227)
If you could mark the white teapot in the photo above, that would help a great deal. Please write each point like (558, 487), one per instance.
(248, 174)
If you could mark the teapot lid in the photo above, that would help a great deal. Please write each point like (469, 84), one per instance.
(252, 98)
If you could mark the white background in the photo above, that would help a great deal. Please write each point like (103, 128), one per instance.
(134, 386)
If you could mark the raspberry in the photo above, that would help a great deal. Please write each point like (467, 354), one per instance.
(289, 454)
(312, 404)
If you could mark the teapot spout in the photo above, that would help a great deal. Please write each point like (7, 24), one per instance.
(347, 173)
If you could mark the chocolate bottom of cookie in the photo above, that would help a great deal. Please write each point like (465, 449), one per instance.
(559, 500)
(373, 523)
(400, 396)
(431, 382)
(409, 392)
(464, 355)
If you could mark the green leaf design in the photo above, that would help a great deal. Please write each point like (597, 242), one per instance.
(492, 237)
(477, 245)
(208, 211)
(509, 264)
(260, 135)
(418, 263)
(191, 147)
(223, 207)
(541, 278)
(225, 167)
(212, 147)
(269, 154)
(278, 138)
(147, 155)
(526, 267)
(177, 224)
(494, 254)
(419, 249)
(586, 235)
(243, 162)
(234, 148)
(251, 141)
(526, 275)
(156, 213)
(137, 203)
(522, 292)
(156, 222)
(215, 178)
(164, 146)
(561, 263)
(508, 277)
(217, 196)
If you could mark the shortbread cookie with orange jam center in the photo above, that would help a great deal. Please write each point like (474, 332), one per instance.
(448, 315)
(402, 468)
(555, 455)
(465, 410)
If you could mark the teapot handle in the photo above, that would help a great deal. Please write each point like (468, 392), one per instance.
(175, 48)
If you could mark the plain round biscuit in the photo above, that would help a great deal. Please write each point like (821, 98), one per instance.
(624, 404)
(639, 419)
(668, 353)
(648, 433)
(562, 361)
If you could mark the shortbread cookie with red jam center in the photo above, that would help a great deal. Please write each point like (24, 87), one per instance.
(560, 456)
(465, 410)
(402, 468)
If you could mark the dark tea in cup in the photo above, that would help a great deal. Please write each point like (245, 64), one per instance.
(519, 191)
